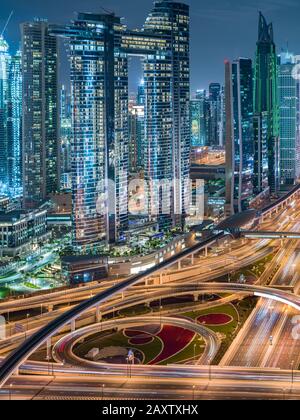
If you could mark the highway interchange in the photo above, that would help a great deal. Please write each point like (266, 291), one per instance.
(264, 345)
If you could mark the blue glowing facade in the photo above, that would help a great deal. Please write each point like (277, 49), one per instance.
(14, 149)
(10, 122)
(4, 94)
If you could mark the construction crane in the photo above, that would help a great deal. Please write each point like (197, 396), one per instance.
(6, 24)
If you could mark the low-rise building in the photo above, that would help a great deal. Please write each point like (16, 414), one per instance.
(21, 230)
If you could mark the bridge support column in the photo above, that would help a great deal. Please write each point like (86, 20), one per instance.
(193, 259)
(196, 297)
(160, 278)
(49, 345)
(73, 325)
(179, 265)
(98, 314)
(206, 251)
(50, 308)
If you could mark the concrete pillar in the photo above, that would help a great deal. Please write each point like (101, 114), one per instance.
(206, 251)
(98, 314)
(49, 345)
(73, 325)
(196, 297)
(179, 265)
(193, 259)
(160, 278)
(50, 308)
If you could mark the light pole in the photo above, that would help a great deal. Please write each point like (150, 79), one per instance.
(293, 364)
(194, 392)
(103, 391)
(209, 367)
(194, 353)
(27, 324)
(10, 387)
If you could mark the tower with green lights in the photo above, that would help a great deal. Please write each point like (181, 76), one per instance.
(266, 107)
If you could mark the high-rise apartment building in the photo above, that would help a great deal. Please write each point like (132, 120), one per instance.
(239, 130)
(266, 105)
(40, 113)
(99, 49)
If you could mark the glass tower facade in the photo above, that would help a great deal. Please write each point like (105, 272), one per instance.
(4, 96)
(266, 105)
(199, 119)
(215, 101)
(99, 50)
(239, 117)
(40, 113)
(288, 119)
(14, 122)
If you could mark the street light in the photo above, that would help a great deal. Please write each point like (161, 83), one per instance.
(195, 353)
(194, 392)
(103, 391)
(293, 364)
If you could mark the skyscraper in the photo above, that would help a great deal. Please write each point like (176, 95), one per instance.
(4, 95)
(288, 99)
(40, 113)
(65, 137)
(136, 138)
(99, 79)
(266, 105)
(14, 126)
(215, 102)
(239, 140)
(167, 112)
(199, 119)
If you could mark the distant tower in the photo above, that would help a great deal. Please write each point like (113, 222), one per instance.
(199, 108)
(266, 107)
(40, 113)
(215, 101)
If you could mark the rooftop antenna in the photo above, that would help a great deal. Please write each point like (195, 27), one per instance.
(109, 12)
(7, 22)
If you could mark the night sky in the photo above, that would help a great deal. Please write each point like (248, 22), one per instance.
(220, 29)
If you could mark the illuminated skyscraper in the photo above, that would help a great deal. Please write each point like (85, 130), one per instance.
(4, 95)
(99, 49)
(40, 113)
(167, 86)
(215, 103)
(14, 127)
(239, 140)
(288, 101)
(65, 138)
(266, 106)
(199, 119)
(136, 138)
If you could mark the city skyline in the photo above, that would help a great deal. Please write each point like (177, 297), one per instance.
(221, 21)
